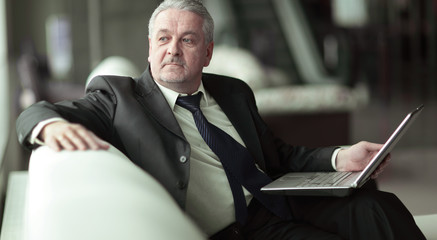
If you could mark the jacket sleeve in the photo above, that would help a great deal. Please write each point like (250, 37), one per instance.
(281, 157)
(94, 111)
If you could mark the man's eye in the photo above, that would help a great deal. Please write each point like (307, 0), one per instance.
(163, 39)
(187, 40)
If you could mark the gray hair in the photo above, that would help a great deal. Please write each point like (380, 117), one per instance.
(194, 6)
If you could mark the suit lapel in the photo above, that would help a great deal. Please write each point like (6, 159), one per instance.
(233, 103)
(153, 101)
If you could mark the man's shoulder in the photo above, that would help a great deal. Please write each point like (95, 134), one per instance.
(217, 80)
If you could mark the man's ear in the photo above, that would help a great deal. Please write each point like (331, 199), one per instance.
(209, 50)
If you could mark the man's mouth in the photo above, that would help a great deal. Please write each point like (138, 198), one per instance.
(173, 62)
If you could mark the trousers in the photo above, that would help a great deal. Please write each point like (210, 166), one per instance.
(366, 214)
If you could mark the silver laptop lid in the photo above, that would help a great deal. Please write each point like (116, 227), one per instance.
(388, 146)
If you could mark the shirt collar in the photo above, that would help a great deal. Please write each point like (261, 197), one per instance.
(171, 96)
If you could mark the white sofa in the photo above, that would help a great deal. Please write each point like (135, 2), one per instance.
(99, 195)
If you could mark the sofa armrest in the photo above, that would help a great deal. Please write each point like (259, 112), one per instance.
(427, 223)
(99, 195)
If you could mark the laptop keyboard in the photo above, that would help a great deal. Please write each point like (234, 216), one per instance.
(326, 179)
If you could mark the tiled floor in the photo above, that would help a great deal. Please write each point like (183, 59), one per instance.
(412, 173)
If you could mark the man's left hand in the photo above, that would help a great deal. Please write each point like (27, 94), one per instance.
(358, 156)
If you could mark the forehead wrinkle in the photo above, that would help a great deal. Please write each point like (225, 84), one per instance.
(167, 31)
(172, 18)
(162, 31)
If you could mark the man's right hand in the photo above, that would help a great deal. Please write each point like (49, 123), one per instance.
(69, 136)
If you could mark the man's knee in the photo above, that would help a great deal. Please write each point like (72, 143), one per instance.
(374, 198)
(371, 202)
(382, 213)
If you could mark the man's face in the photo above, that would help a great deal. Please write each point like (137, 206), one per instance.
(177, 50)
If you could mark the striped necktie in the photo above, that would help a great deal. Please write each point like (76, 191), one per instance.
(237, 162)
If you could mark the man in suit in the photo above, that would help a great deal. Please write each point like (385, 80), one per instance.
(144, 118)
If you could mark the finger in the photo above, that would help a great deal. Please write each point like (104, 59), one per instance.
(78, 138)
(375, 175)
(384, 164)
(101, 144)
(66, 143)
(53, 144)
(381, 167)
(372, 147)
(78, 143)
(71, 140)
(91, 140)
(387, 158)
(377, 172)
(74, 137)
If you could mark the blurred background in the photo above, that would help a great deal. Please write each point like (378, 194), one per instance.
(324, 72)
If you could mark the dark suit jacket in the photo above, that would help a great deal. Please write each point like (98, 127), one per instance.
(133, 115)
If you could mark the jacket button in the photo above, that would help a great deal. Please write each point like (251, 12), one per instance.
(180, 184)
(183, 159)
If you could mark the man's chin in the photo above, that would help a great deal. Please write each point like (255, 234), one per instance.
(172, 78)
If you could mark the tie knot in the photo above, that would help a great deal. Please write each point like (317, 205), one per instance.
(191, 103)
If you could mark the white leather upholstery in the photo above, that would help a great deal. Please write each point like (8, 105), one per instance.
(99, 195)
(428, 224)
(114, 65)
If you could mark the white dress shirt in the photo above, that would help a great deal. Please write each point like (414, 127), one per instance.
(209, 197)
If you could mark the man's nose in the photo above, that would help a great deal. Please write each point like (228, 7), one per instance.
(174, 49)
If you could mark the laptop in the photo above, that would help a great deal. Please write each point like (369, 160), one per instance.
(337, 183)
